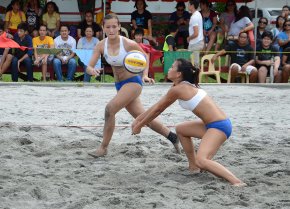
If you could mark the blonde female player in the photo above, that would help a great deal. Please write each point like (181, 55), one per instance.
(213, 129)
(129, 86)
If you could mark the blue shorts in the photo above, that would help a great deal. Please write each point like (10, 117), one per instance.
(222, 125)
(134, 79)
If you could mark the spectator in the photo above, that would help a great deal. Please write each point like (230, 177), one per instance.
(87, 42)
(14, 17)
(226, 18)
(169, 43)
(262, 24)
(51, 18)
(195, 38)
(66, 57)
(180, 18)
(5, 58)
(33, 11)
(285, 12)
(284, 36)
(100, 15)
(267, 56)
(89, 21)
(42, 41)
(22, 56)
(209, 24)
(242, 60)
(279, 28)
(139, 36)
(286, 65)
(242, 23)
(142, 18)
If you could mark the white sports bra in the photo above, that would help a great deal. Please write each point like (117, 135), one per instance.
(192, 103)
(115, 60)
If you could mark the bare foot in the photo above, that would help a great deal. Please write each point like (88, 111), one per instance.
(100, 152)
(195, 170)
(241, 184)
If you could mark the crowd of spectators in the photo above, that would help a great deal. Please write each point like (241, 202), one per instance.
(200, 29)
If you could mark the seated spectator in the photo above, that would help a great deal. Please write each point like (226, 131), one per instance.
(242, 60)
(180, 18)
(87, 42)
(66, 57)
(242, 23)
(209, 18)
(286, 65)
(100, 15)
(42, 41)
(285, 12)
(22, 56)
(226, 18)
(89, 21)
(139, 36)
(51, 18)
(267, 57)
(142, 18)
(169, 42)
(14, 17)
(5, 58)
(262, 24)
(283, 38)
(33, 12)
(279, 28)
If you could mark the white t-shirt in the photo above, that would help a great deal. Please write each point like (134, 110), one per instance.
(196, 20)
(236, 27)
(70, 44)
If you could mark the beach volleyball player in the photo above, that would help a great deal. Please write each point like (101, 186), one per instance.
(129, 85)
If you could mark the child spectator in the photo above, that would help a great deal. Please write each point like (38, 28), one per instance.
(169, 43)
(267, 56)
(87, 42)
(14, 17)
(66, 57)
(32, 11)
(42, 41)
(89, 21)
(5, 58)
(51, 18)
(242, 60)
(180, 18)
(22, 56)
(139, 36)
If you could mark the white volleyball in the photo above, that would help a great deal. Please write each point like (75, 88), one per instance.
(135, 61)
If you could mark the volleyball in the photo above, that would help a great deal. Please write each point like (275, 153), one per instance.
(135, 61)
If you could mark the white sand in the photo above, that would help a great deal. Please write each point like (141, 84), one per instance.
(43, 165)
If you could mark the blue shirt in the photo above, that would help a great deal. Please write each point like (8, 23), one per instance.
(26, 41)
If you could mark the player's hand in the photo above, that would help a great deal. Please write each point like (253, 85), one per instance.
(148, 80)
(135, 128)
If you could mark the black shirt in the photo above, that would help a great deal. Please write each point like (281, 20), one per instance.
(240, 54)
(141, 19)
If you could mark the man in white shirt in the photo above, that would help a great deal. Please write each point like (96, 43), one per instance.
(195, 38)
(66, 57)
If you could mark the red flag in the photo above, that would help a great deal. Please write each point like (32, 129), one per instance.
(7, 42)
(154, 54)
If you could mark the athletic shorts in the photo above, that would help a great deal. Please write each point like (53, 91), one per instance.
(248, 69)
(222, 125)
(134, 79)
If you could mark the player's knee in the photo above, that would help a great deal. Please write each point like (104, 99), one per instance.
(201, 162)
(109, 110)
(178, 129)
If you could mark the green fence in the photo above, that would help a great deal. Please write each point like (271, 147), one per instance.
(170, 57)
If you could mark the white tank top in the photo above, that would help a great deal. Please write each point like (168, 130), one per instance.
(115, 60)
(192, 103)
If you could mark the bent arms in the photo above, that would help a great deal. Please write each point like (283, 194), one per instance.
(149, 115)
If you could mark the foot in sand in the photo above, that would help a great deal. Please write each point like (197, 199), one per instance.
(100, 152)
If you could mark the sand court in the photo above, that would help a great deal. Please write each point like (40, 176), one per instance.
(47, 130)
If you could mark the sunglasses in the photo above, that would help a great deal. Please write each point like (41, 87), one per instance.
(180, 10)
(287, 25)
(230, 5)
(263, 22)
